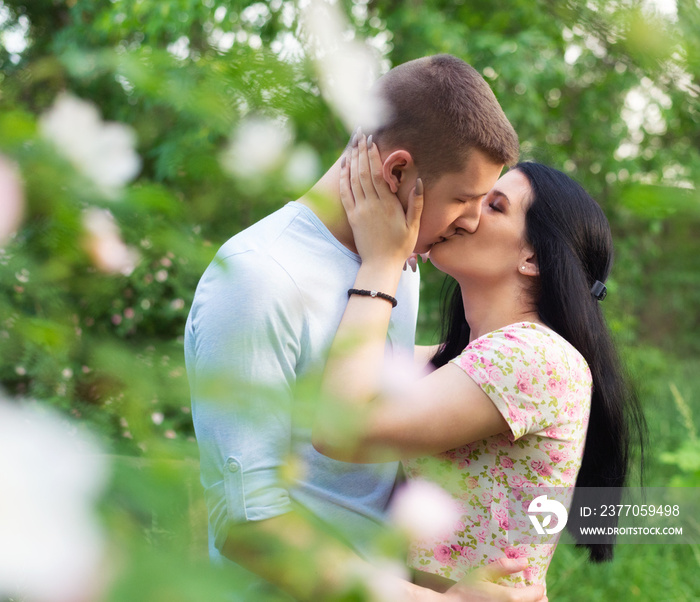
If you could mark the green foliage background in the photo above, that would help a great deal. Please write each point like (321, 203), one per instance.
(107, 350)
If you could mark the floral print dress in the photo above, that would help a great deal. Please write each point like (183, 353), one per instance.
(542, 386)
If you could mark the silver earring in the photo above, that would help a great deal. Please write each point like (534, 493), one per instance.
(522, 267)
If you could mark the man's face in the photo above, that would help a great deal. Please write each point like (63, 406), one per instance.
(453, 201)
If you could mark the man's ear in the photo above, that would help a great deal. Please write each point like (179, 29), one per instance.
(397, 167)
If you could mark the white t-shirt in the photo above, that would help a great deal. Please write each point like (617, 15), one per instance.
(264, 315)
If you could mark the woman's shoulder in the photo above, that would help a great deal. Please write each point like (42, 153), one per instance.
(529, 342)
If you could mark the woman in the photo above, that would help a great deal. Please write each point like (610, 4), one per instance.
(525, 380)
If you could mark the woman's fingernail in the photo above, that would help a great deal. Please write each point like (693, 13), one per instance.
(359, 131)
(342, 162)
(419, 187)
(353, 142)
(369, 141)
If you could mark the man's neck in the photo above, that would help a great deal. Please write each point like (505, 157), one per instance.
(324, 200)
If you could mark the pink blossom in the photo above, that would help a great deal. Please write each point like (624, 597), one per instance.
(482, 534)
(442, 553)
(506, 462)
(472, 483)
(424, 510)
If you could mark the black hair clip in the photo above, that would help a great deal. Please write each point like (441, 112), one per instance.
(599, 290)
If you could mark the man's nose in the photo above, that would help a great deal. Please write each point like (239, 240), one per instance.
(469, 219)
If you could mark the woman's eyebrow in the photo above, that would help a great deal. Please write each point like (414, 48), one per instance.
(499, 193)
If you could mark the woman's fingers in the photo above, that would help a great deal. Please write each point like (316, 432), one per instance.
(346, 197)
(364, 172)
(355, 184)
(415, 206)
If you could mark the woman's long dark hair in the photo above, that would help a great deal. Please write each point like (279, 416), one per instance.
(572, 242)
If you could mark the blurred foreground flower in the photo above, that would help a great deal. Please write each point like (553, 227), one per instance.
(104, 244)
(51, 547)
(423, 510)
(257, 147)
(101, 150)
(11, 199)
(346, 67)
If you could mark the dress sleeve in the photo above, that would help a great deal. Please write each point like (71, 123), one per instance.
(242, 344)
(526, 373)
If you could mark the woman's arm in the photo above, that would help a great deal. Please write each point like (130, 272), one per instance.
(422, 354)
(356, 422)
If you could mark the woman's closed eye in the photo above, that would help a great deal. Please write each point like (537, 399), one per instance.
(495, 206)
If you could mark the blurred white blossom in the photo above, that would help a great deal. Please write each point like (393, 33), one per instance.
(423, 510)
(104, 245)
(51, 546)
(11, 199)
(101, 150)
(258, 146)
(346, 67)
(303, 167)
(381, 577)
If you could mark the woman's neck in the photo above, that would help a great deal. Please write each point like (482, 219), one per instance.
(490, 307)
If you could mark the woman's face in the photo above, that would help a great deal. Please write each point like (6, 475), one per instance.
(497, 248)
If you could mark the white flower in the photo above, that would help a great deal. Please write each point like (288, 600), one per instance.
(257, 147)
(51, 547)
(11, 199)
(424, 511)
(347, 68)
(103, 151)
(104, 244)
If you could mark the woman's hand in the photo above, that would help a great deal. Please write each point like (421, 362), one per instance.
(383, 232)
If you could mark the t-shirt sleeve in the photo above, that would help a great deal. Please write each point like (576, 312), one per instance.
(242, 344)
(525, 373)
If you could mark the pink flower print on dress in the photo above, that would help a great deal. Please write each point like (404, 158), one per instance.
(515, 552)
(541, 467)
(556, 387)
(468, 359)
(505, 350)
(569, 474)
(530, 573)
(472, 483)
(502, 517)
(525, 383)
(515, 415)
(493, 371)
(443, 554)
(468, 553)
(554, 433)
(556, 456)
(481, 535)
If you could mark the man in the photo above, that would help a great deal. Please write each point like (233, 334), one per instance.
(265, 313)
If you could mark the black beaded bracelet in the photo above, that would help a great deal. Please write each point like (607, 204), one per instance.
(366, 293)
